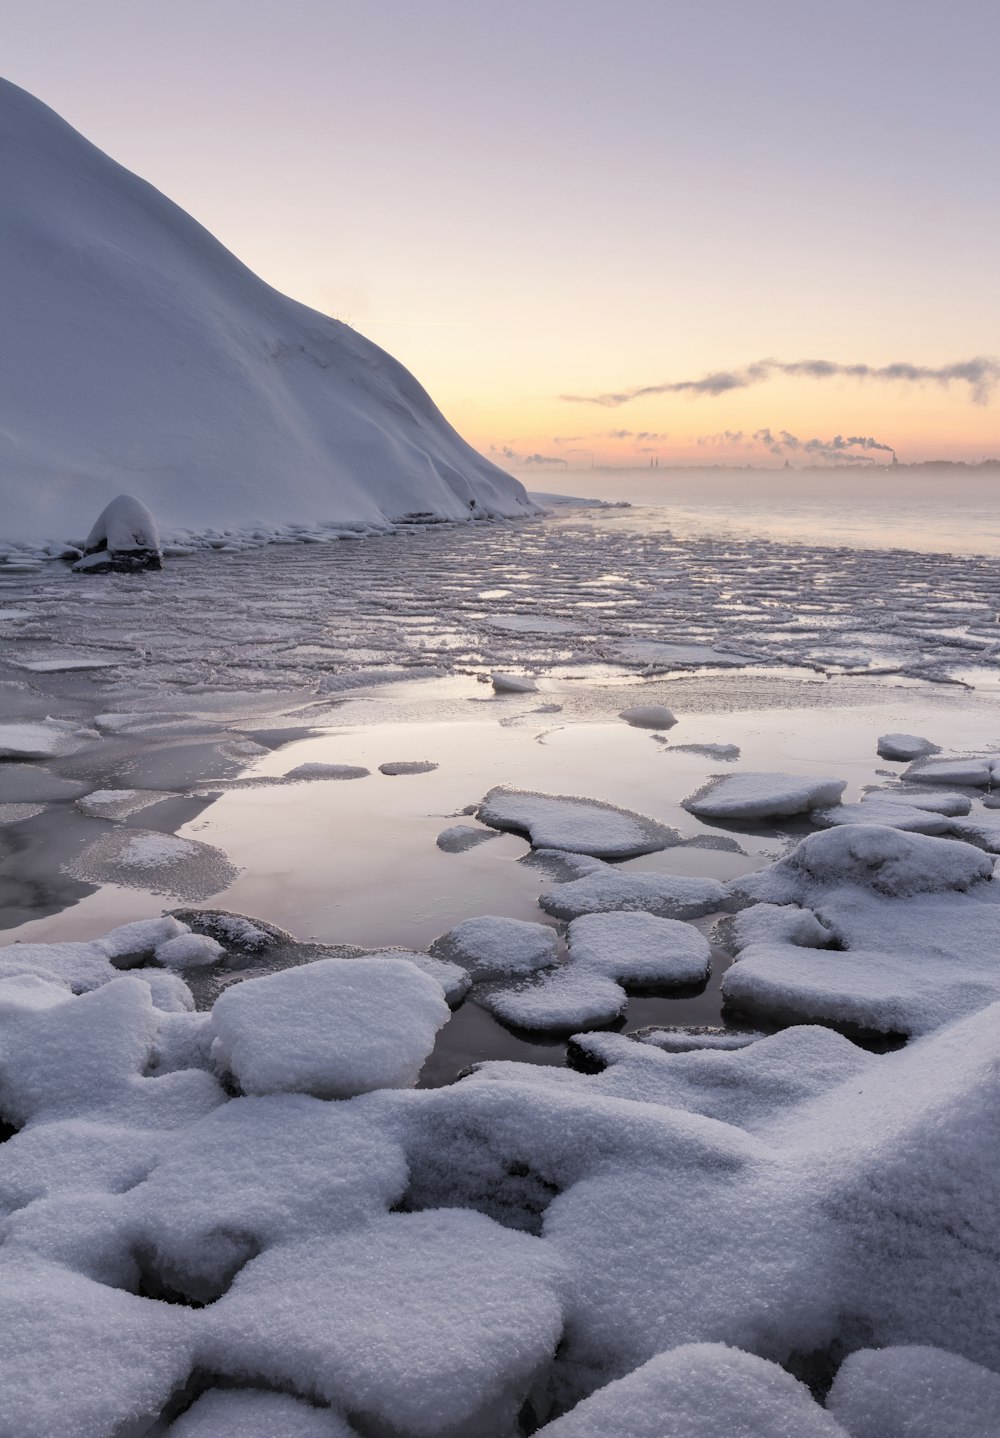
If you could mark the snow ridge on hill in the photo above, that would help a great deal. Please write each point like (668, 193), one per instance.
(137, 354)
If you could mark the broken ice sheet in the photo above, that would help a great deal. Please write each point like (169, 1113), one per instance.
(581, 826)
(161, 863)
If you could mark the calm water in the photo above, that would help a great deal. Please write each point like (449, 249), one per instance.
(955, 512)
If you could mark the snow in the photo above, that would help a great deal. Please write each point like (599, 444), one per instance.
(139, 353)
(454, 979)
(581, 826)
(491, 947)
(47, 739)
(898, 967)
(914, 1392)
(256, 1413)
(568, 998)
(331, 1028)
(119, 803)
(905, 747)
(700, 1390)
(638, 948)
(762, 796)
(649, 716)
(669, 896)
(189, 951)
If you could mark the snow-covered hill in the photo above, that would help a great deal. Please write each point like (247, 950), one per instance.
(137, 354)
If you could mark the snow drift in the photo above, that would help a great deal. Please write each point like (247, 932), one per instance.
(137, 354)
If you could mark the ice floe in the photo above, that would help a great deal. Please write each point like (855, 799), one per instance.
(669, 896)
(513, 683)
(649, 716)
(461, 837)
(44, 739)
(905, 747)
(407, 766)
(490, 947)
(762, 796)
(162, 863)
(582, 826)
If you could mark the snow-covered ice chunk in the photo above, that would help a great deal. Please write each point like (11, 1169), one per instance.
(649, 716)
(558, 1000)
(189, 951)
(433, 1324)
(18, 813)
(884, 861)
(327, 771)
(257, 1413)
(455, 980)
(43, 739)
(461, 837)
(982, 829)
(729, 753)
(670, 896)
(407, 766)
(939, 803)
(582, 826)
(513, 684)
(119, 803)
(639, 948)
(905, 747)
(875, 809)
(978, 772)
(766, 923)
(914, 1392)
(124, 539)
(762, 796)
(332, 1028)
(702, 1390)
(162, 863)
(491, 947)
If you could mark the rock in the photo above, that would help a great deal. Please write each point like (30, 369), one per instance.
(124, 540)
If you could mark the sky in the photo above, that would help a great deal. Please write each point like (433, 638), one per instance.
(586, 226)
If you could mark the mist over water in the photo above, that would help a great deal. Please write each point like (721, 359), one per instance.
(947, 510)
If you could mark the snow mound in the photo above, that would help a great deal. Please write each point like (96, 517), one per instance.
(703, 1390)
(332, 1028)
(256, 1413)
(762, 796)
(138, 353)
(428, 1324)
(580, 826)
(914, 1392)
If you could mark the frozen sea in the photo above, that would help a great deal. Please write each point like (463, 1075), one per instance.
(246, 1186)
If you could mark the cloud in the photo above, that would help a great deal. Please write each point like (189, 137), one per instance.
(981, 374)
(512, 456)
(724, 437)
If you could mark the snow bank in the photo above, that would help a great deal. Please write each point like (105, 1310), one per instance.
(138, 353)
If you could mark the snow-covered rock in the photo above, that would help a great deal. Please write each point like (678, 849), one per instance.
(257, 1413)
(138, 353)
(639, 948)
(649, 716)
(407, 766)
(581, 826)
(124, 540)
(762, 796)
(189, 951)
(905, 747)
(332, 1028)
